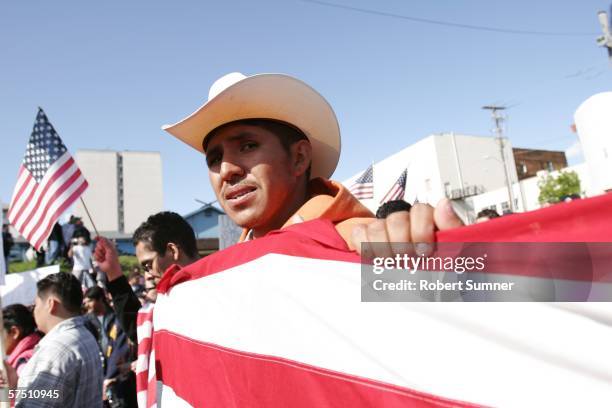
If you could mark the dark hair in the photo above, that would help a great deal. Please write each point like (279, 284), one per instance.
(20, 316)
(392, 206)
(487, 212)
(166, 227)
(286, 133)
(95, 293)
(66, 287)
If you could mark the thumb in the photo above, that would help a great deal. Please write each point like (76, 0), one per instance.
(445, 216)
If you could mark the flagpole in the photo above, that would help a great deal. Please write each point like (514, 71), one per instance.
(89, 216)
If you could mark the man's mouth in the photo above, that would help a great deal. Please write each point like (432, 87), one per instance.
(239, 193)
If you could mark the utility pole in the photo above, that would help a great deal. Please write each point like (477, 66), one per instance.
(498, 120)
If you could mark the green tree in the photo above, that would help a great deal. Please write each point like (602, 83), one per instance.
(555, 189)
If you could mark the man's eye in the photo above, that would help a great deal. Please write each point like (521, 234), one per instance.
(248, 146)
(211, 161)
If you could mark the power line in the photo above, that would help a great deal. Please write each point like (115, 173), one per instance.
(448, 23)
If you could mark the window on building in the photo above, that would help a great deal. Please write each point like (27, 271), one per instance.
(523, 168)
(505, 206)
(549, 166)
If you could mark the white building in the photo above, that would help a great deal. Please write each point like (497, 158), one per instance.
(593, 121)
(445, 165)
(124, 188)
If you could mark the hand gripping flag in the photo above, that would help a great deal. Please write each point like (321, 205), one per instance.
(49, 181)
(363, 187)
(397, 190)
(279, 322)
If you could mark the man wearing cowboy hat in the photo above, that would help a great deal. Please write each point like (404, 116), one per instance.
(271, 142)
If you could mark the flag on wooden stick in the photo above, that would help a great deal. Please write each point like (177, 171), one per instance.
(49, 181)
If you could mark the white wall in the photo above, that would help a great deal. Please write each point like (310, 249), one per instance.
(100, 170)
(142, 187)
(432, 163)
(593, 121)
(419, 159)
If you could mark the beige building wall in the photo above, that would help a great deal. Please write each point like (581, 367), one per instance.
(99, 167)
(124, 188)
(142, 187)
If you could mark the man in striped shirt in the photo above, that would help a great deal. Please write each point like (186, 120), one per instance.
(164, 239)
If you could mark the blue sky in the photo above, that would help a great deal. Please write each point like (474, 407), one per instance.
(109, 74)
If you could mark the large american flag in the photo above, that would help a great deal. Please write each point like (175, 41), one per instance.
(397, 190)
(49, 181)
(280, 323)
(363, 187)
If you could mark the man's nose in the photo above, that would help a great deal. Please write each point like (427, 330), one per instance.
(230, 170)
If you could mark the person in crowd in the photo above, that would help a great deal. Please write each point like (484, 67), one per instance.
(7, 243)
(80, 231)
(80, 252)
(67, 360)
(20, 335)
(55, 244)
(136, 281)
(390, 207)
(486, 215)
(67, 231)
(119, 385)
(164, 239)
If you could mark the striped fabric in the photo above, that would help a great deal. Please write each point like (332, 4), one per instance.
(279, 322)
(145, 364)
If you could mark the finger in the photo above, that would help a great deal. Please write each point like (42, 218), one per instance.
(359, 240)
(445, 216)
(422, 228)
(376, 232)
(398, 231)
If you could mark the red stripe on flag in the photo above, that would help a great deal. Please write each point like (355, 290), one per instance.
(215, 376)
(71, 199)
(43, 194)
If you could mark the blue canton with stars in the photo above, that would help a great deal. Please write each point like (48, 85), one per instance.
(44, 147)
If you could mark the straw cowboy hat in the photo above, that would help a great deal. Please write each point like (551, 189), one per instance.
(267, 96)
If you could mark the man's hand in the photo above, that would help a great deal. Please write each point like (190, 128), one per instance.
(418, 226)
(107, 258)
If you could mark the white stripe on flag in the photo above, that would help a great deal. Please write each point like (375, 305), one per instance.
(142, 364)
(144, 330)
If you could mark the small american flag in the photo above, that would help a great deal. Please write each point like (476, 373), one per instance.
(363, 188)
(397, 189)
(49, 181)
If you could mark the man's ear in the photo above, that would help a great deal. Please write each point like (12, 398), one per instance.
(52, 304)
(175, 251)
(301, 153)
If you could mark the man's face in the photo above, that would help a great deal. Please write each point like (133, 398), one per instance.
(153, 265)
(252, 175)
(92, 305)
